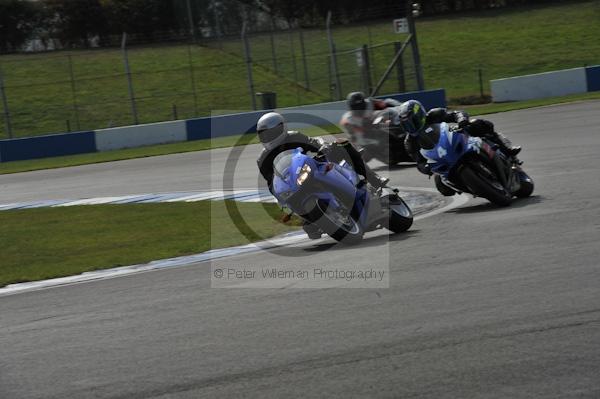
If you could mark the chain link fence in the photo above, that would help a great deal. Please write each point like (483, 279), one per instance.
(93, 89)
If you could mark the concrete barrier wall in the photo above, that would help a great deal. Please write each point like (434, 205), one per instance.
(175, 131)
(140, 135)
(548, 84)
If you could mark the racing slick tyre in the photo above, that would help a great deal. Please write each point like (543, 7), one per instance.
(401, 217)
(340, 227)
(527, 185)
(492, 190)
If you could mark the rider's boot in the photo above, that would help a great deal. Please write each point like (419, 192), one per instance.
(360, 166)
(374, 179)
(506, 145)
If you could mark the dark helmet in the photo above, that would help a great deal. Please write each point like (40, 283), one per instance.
(270, 126)
(356, 101)
(413, 117)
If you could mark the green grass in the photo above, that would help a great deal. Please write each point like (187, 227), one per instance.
(40, 98)
(511, 106)
(54, 242)
(505, 42)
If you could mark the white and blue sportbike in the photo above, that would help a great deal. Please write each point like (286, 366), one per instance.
(330, 196)
(473, 165)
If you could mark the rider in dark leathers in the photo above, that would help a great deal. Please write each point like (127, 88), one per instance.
(415, 118)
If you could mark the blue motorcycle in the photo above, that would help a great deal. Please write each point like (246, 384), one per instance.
(474, 165)
(331, 196)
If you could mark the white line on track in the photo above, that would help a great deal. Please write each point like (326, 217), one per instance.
(288, 239)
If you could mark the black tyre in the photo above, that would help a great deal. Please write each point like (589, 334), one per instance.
(527, 185)
(342, 228)
(493, 191)
(401, 217)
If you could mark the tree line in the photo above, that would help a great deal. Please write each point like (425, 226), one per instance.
(84, 23)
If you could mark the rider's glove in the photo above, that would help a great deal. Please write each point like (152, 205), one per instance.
(463, 123)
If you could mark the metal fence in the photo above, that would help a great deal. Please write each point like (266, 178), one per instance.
(93, 89)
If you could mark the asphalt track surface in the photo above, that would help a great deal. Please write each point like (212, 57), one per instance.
(483, 302)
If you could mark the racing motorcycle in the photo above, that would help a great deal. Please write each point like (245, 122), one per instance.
(382, 139)
(474, 165)
(331, 196)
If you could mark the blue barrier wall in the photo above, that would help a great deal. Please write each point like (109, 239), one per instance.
(592, 75)
(222, 125)
(47, 146)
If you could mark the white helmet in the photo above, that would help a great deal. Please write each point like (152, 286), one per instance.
(270, 127)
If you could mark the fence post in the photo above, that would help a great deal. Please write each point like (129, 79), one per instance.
(74, 93)
(338, 85)
(415, 49)
(400, 69)
(390, 67)
(366, 68)
(329, 79)
(193, 80)
(480, 83)
(293, 54)
(191, 21)
(5, 105)
(129, 81)
(218, 25)
(304, 65)
(273, 56)
(248, 65)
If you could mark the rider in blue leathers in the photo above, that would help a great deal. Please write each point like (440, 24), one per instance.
(415, 119)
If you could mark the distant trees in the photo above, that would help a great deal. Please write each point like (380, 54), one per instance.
(84, 23)
(145, 17)
(18, 22)
(75, 22)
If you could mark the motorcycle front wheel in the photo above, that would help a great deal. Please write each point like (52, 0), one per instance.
(493, 191)
(527, 185)
(401, 217)
(340, 227)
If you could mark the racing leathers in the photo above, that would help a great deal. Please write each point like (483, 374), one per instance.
(359, 121)
(476, 127)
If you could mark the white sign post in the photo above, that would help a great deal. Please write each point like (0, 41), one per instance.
(401, 25)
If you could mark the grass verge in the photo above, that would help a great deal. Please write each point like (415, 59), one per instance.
(55, 242)
(483, 109)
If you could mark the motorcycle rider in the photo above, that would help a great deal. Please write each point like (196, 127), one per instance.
(415, 120)
(361, 110)
(272, 132)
